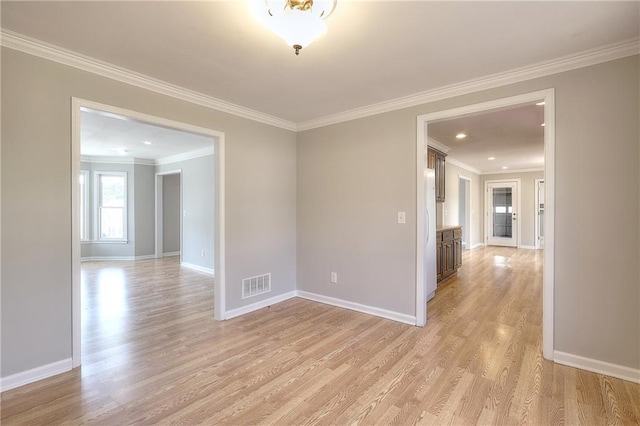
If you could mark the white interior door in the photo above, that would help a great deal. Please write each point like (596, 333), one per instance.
(502, 213)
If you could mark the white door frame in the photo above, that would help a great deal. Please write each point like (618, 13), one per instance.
(488, 206)
(548, 96)
(536, 212)
(160, 211)
(467, 213)
(219, 309)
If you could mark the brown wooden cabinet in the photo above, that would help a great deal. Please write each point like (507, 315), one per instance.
(438, 256)
(457, 248)
(448, 251)
(436, 160)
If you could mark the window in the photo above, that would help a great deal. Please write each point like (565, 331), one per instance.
(111, 191)
(84, 205)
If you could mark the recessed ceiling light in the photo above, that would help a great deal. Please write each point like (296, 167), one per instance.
(504, 167)
(540, 103)
(491, 158)
(146, 143)
(542, 124)
(123, 151)
(461, 136)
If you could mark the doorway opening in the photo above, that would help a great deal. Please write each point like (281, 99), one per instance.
(464, 210)
(168, 208)
(115, 206)
(546, 100)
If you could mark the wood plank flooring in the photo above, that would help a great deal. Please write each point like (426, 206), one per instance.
(152, 354)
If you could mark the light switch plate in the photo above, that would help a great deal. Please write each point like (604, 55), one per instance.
(401, 217)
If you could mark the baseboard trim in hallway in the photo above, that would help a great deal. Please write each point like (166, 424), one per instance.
(35, 374)
(596, 366)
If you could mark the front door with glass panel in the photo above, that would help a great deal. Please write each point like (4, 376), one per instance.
(502, 217)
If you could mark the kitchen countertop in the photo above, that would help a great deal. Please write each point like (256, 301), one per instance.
(448, 228)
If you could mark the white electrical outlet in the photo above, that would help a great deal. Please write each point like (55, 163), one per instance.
(202, 253)
(334, 277)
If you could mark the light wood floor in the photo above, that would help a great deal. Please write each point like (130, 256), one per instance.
(154, 355)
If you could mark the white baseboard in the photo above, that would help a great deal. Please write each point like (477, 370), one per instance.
(476, 245)
(116, 258)
(197, 268)
(171, 254)
(371, 310)
(596, 366)
(528, 247)
(145, 257)
(35, 374)
(259, 305)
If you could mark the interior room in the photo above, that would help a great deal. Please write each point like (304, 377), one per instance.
(300, 294)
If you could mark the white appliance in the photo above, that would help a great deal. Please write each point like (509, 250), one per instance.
(430, 232)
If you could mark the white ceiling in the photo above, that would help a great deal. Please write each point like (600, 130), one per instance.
(514, 137)
(109, 135)
(374, 51)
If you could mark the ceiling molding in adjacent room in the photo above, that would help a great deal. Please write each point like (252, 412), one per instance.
(462, 165)
(504, 172)
(437, 145)
(189, 155)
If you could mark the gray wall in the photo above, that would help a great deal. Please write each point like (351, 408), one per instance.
(354, 176)
(36, 172)
(527, 208)
(198, 204)
(171, 213)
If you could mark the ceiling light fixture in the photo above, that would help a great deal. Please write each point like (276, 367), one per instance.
(504, 167)
(299, 22)
(461, 136)
(147, 143)
(542, 124)
(491, 158)
(540, 103)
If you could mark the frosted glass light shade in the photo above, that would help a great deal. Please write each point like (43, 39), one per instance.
(299, 22)
(298, 28)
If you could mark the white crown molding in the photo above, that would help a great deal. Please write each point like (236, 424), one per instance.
(504, 172)
(22, 43)
(31, 46)
(541, 69)
(462, 165)
(190, 155)
(437, 145)
(116, 160)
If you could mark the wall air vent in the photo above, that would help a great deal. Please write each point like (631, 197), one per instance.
(256, 285)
